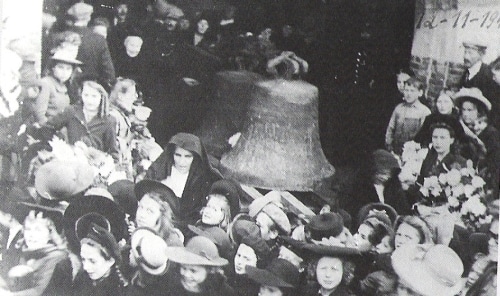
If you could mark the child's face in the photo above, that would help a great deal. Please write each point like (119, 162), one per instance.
(91, 98)
(127, 99)
(36, 234)
(361, 237)
(212, 213)
(329, 272)
(244, 256)
(411, 93)
(469, 112)
(94, 263)
(401, 79)
(62, 72)
(444, 104)
(384, 246)
(479, 125)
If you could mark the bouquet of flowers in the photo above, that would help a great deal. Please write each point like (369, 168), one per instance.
(463, 191)
(101, 162)
(411, 161)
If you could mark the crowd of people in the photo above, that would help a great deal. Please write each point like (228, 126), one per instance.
(100, 198)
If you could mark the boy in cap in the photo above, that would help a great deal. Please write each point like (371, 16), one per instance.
(271, 219)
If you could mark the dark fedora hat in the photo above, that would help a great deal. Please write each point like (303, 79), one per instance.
(147, 186)
(84, 205)
(279, 273)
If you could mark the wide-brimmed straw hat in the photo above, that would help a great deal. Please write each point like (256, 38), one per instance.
(150, 250)
(199, 250)
(279, 273)
(429, 269)
(59, 180)
(65, 56)
(472, 93)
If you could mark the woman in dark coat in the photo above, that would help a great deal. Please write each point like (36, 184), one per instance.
(442, 156)
(378, 183)
(185, 169)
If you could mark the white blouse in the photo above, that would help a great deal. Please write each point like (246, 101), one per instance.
(176, 181)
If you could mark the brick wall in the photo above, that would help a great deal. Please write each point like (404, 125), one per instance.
(437, 75)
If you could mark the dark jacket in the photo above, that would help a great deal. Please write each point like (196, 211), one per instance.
(200, 178)
(432, 167)
(98, 133)
(482, 80)
(94, 53)
(43, 261)
(243, 285)
(84, 286)
(363, 193)
(491, 164)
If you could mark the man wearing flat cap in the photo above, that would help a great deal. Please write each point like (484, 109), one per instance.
(478, 74)
(271, 219)
(94, 51)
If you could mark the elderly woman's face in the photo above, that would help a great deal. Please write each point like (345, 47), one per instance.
(183, 159)
(329, 272)
(406, 234)
(202, 26)
(148, 213)
(133, 47)
(469, 112)
(245, 256)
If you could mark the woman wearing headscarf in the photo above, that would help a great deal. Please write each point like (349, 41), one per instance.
(184, 168)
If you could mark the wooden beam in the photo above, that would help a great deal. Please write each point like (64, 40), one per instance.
(294, 203)
(288, 200)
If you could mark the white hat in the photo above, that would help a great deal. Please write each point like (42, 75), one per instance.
(429, 269)
(474, 93)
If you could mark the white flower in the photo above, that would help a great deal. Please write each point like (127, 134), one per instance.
(453, 177)
(453, 201)
(468, 190)
(448, 191)
(458, 190)
(424, 191)
(477, 182)
(436, 191)
(443, 178)
(421, 154)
